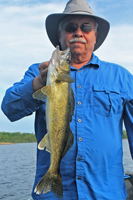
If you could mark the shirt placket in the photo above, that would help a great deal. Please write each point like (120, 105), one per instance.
(80, 133)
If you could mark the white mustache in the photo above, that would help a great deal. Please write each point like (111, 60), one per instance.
(77, 40)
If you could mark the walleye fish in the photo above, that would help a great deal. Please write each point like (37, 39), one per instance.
(59, 110)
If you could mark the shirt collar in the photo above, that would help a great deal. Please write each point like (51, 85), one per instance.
(94, 62)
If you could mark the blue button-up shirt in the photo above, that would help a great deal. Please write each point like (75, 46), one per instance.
(93, 167)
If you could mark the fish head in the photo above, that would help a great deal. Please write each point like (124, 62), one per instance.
(60, 62)
(59, 67)
(65, 60)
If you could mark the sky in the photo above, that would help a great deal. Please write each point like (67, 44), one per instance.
(23, 41)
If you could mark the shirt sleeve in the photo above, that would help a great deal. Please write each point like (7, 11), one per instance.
(128, 111)
(18, 101)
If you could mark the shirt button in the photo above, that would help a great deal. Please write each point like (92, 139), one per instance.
(79, 120)
(79, 178)
(79, 159)
(79, 71)
(80, 139)
(79, 103)
(79, 86)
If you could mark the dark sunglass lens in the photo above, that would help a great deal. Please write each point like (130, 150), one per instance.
(70, 28)
(86, 28)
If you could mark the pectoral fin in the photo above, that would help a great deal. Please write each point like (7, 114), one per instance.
(42, 93)
(39, 95)
(65, 77)
(46, 90)
(45, 143)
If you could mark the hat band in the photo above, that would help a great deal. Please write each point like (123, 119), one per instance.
(80, 12)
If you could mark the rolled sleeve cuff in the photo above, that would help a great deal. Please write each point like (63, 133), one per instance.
(27, 96)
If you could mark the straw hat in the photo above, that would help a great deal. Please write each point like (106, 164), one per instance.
(76, 7)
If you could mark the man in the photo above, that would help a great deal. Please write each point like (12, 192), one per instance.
(93, 167)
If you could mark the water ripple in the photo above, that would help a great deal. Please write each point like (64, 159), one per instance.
(17, 169)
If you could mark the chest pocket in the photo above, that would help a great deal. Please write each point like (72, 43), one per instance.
(107, 100)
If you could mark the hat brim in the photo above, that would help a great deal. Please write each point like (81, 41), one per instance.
(52, 22)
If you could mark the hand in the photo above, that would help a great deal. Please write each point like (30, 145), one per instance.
(40, 81)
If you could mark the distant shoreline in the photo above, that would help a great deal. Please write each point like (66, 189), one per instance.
(8, 143)
(5, 143)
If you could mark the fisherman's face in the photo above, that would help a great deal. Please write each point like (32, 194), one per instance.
(85, 43)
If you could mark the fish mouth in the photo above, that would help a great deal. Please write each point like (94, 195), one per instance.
(65, 55)
(63, 58)
(77, 40)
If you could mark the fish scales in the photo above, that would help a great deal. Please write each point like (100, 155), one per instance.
(59, 109)
(59, 114)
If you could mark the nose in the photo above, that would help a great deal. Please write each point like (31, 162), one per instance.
(78, 33)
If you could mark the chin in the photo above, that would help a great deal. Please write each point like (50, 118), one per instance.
(77, 51)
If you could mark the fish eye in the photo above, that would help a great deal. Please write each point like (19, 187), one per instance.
(68, 60)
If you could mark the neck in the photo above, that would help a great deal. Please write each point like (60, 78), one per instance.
(78, 62)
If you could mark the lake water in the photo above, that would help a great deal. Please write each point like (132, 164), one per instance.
(18, 166)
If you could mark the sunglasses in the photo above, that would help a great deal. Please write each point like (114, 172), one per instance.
(72, 27)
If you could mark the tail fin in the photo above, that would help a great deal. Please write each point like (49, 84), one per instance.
(50, 182)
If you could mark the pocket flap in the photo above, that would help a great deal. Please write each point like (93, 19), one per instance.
(106, 88)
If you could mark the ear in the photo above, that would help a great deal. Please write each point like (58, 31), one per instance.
(95, 36)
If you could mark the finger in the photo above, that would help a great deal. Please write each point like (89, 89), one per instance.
(44, 73)
(43, 65)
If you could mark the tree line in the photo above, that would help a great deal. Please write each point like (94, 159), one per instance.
(17, 137)
(124, 136)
